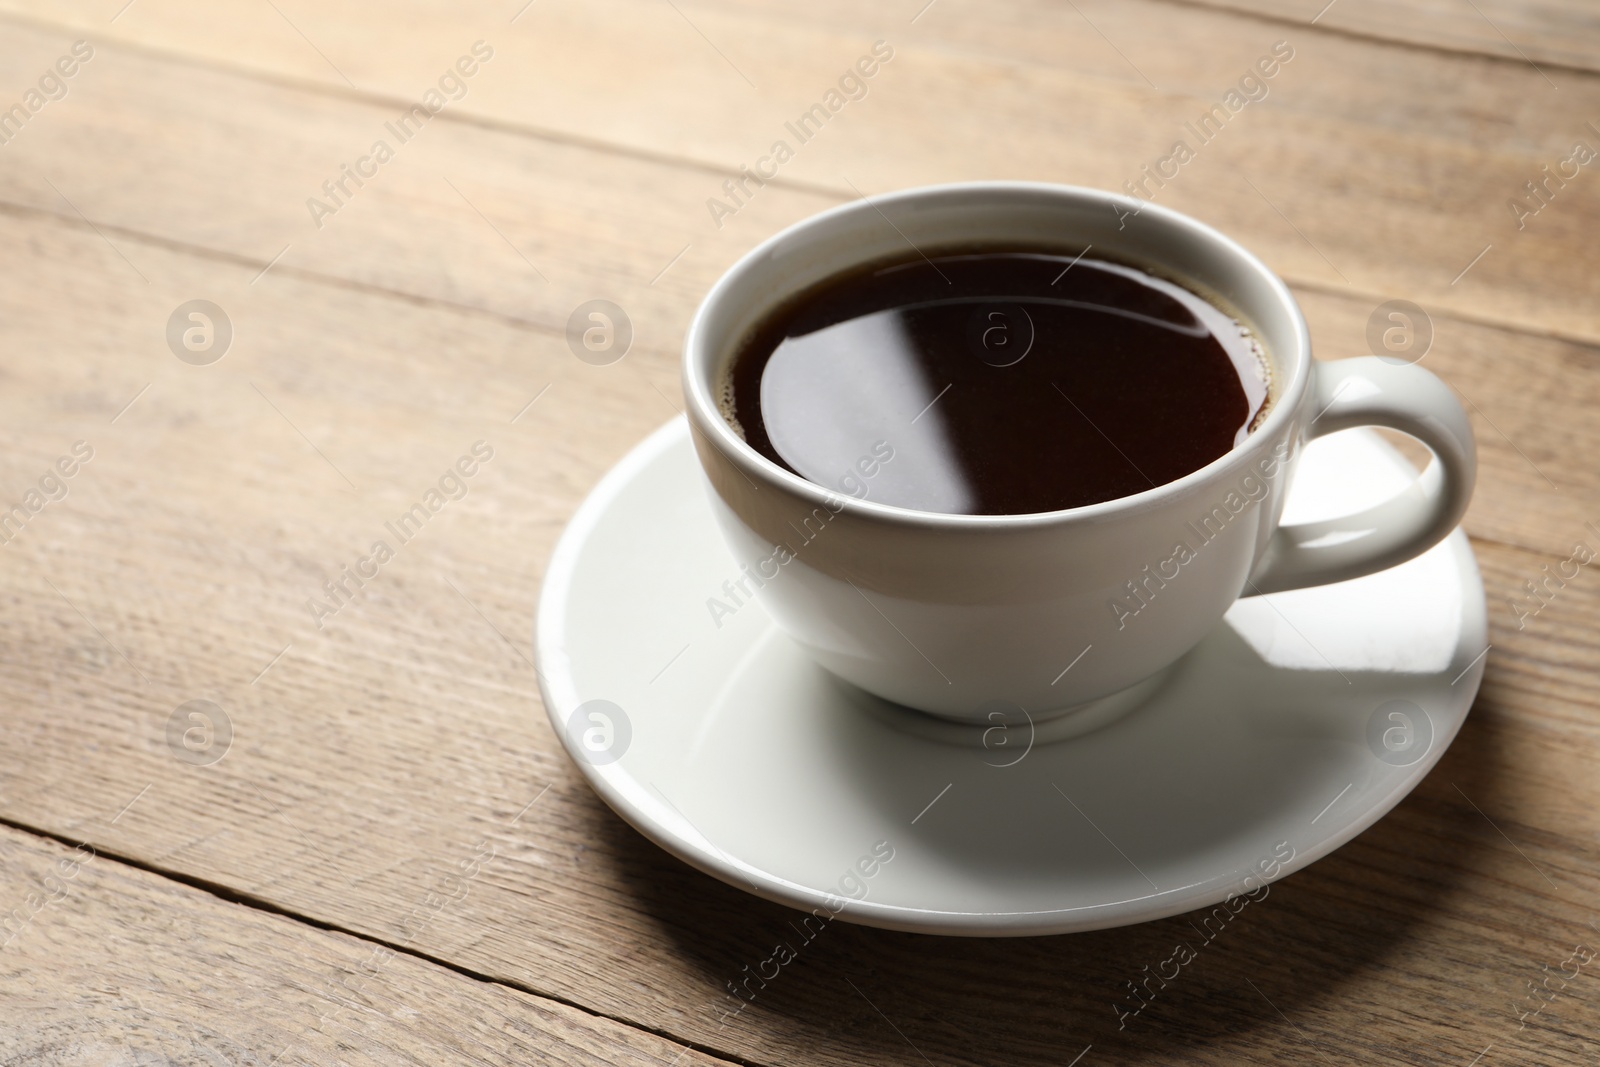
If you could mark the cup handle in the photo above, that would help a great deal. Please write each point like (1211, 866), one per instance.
(1370, 391)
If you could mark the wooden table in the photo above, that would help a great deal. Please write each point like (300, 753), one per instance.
(392, 860)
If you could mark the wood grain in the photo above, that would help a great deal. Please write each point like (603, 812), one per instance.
(602, 225)
(372, 756)
(104, 963)
(1421, 189)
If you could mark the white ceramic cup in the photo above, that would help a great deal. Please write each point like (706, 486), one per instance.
(959, 615)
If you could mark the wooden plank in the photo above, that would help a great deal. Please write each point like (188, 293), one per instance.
(103, 963)
(1423, 211)
(1549, 32)
(370, 756)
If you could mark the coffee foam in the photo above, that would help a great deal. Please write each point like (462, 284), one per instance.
(1268, 377)
(725, 400)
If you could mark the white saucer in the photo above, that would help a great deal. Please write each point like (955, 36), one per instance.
(1271, 744)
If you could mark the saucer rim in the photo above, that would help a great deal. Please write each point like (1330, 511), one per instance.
(656, 823)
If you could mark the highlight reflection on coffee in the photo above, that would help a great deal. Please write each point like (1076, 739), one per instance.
(1003, 382)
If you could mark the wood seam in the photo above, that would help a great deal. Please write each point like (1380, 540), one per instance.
(1369, 37)
(233, 896)
(424, 300)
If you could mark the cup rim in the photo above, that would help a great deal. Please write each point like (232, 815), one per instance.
(706, 416)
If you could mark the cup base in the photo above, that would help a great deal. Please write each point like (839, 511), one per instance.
(1058, 724)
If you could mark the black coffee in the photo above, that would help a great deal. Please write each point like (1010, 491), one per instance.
(996, 383)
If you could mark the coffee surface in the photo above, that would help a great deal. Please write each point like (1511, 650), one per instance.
(996, 383)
